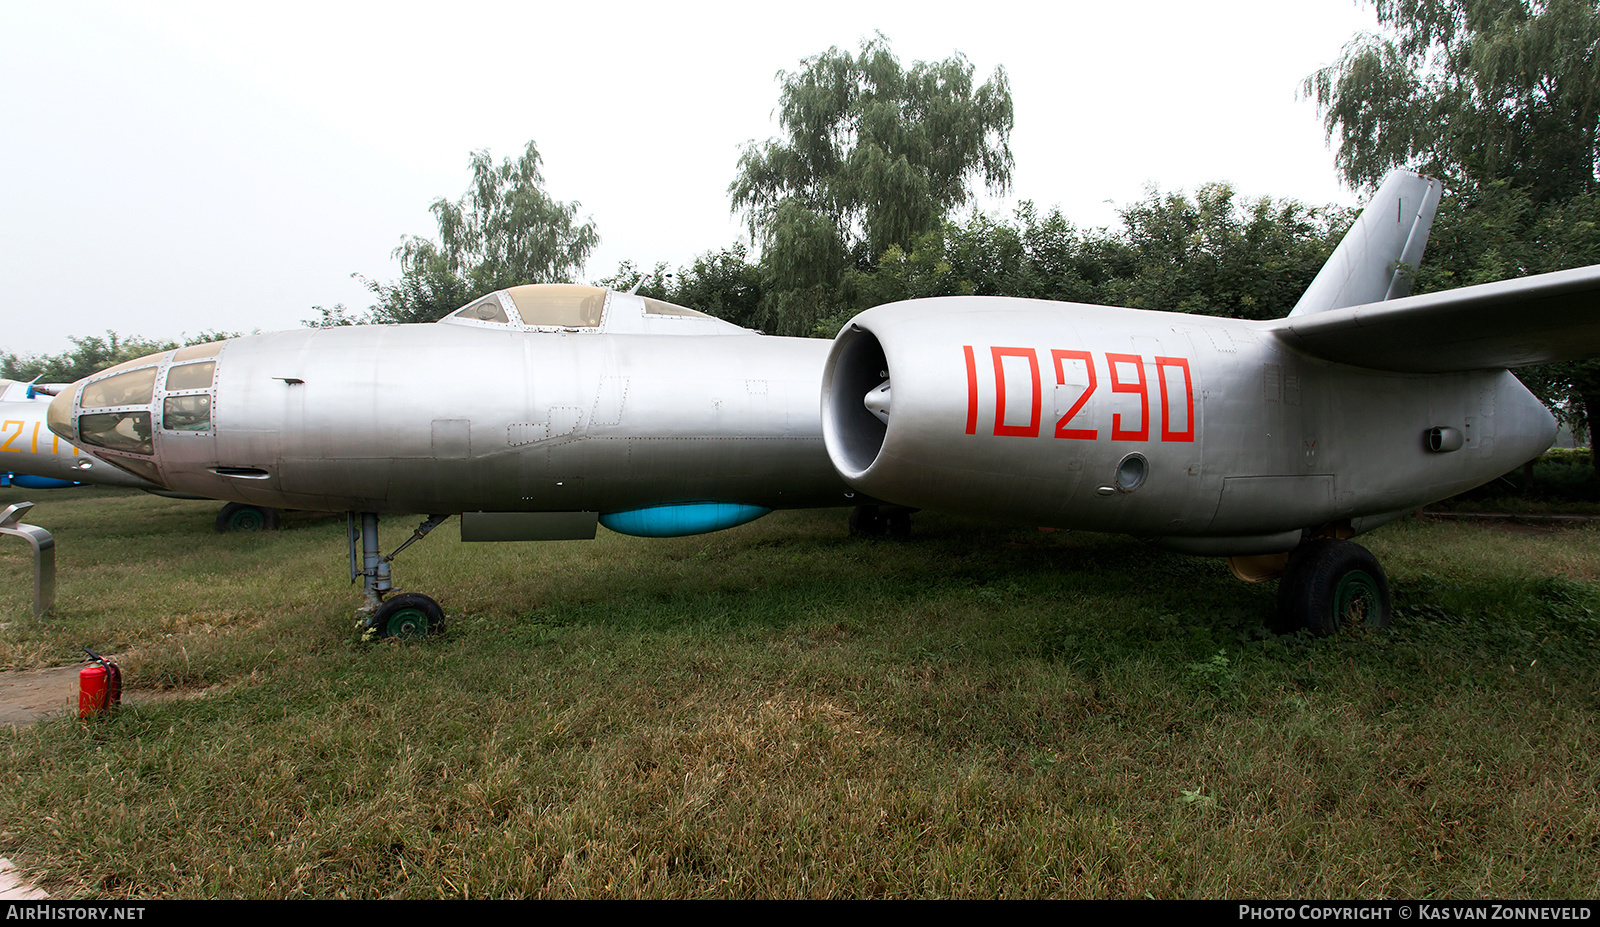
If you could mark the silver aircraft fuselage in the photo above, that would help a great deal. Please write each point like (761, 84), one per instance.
(633, 405)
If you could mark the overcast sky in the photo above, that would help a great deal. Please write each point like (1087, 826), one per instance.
(169, 168)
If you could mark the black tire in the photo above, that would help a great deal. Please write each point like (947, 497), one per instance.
(236, 516)
(409, 614)
(867, 521)
(1332, 586)
(897, 523)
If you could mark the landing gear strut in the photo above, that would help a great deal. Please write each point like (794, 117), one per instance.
(1331, 586)
(409, 614)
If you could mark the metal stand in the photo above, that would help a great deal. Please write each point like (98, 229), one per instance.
(44, 555)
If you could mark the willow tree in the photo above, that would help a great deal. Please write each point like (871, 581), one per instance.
(504, 231)
(873, 155)
(1472, 91)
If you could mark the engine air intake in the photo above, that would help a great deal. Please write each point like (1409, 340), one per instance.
(853, 400)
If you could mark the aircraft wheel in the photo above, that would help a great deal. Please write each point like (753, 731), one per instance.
(867, 521)
(1332, 586)
(409, 614)
(898, 523)
(236, 516)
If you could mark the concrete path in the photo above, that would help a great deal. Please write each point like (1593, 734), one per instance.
(13, 887)
(29, 695)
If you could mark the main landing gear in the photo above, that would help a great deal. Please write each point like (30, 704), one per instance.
(877, 521)
(405, 614)
(1329, 586)
(236, 516)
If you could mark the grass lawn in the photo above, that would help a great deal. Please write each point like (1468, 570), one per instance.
(781, 711)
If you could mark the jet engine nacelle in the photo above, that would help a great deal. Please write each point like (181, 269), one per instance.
(1211, 434)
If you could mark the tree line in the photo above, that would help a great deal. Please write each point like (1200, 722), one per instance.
(1211, 252)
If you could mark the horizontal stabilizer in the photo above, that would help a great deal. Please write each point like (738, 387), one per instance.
(1510, 323)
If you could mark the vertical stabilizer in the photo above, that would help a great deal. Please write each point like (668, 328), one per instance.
(1375, 260)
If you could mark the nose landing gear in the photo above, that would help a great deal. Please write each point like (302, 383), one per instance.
(408, 614)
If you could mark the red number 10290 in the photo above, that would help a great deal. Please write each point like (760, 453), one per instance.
(1126, 373)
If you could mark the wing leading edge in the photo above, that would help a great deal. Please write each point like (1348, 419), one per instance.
(1509, 323)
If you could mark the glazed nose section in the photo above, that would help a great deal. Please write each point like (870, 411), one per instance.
(114, 412)
(128, 414)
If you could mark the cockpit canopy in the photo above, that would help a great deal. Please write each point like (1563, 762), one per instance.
(576, 308)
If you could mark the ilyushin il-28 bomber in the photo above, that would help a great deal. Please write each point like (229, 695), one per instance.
(540, 411)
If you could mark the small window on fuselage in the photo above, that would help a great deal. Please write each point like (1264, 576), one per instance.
(487, 309)
(190, 376)
(662, 307)
(186, 413)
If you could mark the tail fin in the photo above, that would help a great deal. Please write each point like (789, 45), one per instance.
(1376, 257)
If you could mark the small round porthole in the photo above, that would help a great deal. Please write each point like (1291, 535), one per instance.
(1131, 472)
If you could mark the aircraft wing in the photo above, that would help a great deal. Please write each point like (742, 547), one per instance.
(1510, 323)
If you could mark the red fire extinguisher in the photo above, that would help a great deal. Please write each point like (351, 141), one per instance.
(99, 686)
